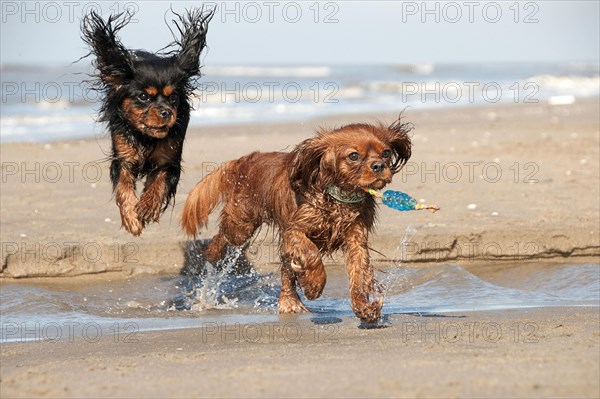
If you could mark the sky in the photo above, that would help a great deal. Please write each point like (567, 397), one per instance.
(329, 32)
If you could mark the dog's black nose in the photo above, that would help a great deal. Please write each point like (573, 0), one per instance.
(377, 167)
(165, 113)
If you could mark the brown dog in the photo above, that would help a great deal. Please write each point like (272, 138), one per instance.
(316, 196)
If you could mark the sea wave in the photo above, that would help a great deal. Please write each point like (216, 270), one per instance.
(248, 94)
(581, 85)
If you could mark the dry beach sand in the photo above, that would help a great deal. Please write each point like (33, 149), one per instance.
(517, 184)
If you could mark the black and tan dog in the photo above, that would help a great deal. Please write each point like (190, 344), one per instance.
(146, 104)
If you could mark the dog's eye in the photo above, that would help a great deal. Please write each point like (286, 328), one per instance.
(386, 154)
(144, 97)
(354, 156)
(173, 98)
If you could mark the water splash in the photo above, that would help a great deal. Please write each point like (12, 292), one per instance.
(223, 286)
(395, 279)
(208, 294)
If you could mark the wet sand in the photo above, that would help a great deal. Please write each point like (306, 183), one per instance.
(515, 183)
(550, 352)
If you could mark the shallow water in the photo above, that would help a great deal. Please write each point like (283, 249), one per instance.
(52, 312)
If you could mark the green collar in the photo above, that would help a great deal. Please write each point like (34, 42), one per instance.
(348, 197)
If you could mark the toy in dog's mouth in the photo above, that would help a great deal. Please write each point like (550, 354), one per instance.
(401, 201)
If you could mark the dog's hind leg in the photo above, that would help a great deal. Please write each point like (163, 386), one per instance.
(216, 249)
(238, 223)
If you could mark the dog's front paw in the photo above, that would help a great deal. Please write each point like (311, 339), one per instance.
(312, 281)
(369, 312)
(148, 209)
(131, 222)
(289, 303)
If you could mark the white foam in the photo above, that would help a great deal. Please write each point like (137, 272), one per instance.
(574, 85)
(423, 69)
(561, 100)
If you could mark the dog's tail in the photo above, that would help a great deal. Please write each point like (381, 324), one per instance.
(207, 194)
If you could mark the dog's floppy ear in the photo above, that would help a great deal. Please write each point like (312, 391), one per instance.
(396, 135)
(192, 28)
(113, 61)
(313, 163)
